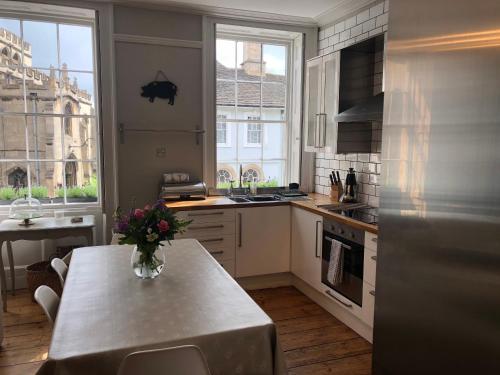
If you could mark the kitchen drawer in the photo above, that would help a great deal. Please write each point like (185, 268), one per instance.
(222, 247)
(342, 301)
(369, 266)
(207, 216)
(371, 241)
(229, 266)
(202, 230)
(368, 304)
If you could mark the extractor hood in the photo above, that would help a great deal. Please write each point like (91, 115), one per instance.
(370, 109)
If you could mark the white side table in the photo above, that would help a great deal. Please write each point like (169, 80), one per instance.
(42, 229)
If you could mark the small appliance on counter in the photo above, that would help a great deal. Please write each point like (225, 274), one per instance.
(351, 188)
(292, 192)
(180, 187)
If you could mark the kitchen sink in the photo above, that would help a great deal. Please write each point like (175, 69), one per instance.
(239, 199)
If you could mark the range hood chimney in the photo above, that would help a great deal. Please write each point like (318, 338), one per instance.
(371, 109)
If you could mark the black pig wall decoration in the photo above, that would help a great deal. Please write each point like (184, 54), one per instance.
(160, 89)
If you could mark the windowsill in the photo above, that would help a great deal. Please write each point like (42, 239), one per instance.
(253, 145)
(224, 145)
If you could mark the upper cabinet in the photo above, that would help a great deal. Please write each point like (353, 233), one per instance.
(321, 103)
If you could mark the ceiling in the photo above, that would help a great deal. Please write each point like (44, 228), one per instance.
(295, 8)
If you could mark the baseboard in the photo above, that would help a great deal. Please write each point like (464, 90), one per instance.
(265, 281)
(333, 308)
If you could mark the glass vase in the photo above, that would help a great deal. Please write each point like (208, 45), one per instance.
(148, 262)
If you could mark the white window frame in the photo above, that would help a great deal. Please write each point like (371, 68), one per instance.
(69, 16)
(287, 120)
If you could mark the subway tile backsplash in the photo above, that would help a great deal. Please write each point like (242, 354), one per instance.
(353, 29)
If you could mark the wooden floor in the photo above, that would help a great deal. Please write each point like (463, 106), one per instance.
(314, 342)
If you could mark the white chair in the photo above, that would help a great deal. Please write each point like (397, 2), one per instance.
(48, 300)
(179, 360)
(61, 269)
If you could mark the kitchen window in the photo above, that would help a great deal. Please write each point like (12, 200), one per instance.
(252, 96)
(49, 143)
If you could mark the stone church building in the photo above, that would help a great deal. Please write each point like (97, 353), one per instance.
(47, 138)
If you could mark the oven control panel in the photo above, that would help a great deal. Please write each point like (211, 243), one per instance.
(344, 231)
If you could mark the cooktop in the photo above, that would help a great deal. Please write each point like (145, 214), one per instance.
(357, 211)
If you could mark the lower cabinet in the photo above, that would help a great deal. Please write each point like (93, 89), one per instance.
(262, 240)
(307, 231)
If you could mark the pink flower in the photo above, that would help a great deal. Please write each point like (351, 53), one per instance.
(163, 226)
(147, 207)
(138, 213)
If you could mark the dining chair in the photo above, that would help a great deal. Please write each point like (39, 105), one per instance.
(48, 300)
(179, 360)
(61, 269)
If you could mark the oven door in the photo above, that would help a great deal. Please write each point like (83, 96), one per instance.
(350, 281)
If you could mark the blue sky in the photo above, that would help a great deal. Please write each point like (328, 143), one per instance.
(75, 46)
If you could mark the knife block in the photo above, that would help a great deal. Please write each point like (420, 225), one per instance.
(336, 192)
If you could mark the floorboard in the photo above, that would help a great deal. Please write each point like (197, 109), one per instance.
(313, 341)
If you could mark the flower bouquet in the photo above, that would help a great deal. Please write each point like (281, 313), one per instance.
(147, 228)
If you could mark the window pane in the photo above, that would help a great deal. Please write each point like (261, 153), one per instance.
(10, 42)
(79, 88)
(249, 61)
(12, 137)
(44, 137)
(225, 58)
(273, 101)
(13, 181)
(42, 91)
(248, 100)
(226, 99)
(11, 90)
(76, 46)
(275, 62)
(81, 181)
(79, 138)
(46, 181)
(41, 50)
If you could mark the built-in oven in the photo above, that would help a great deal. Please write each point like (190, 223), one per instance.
(342, 261)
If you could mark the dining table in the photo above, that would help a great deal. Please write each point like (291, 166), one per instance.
(106, 312)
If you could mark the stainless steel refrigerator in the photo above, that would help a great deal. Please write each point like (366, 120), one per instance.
(438, 274)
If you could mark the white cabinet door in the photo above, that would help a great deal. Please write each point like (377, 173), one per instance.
(262, 240)
(330, 102)
(312, 105)
(306, 246)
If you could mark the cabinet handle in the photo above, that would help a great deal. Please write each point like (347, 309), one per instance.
(316, 248)
(330, 294)
(216, 252)
(212, 240)
(372, 292)
(206, 227)
(374, 258)
(240, 226)
(205, 213)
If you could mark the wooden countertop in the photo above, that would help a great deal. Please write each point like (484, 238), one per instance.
(311, 205)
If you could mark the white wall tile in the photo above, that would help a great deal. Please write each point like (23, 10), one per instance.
(369, 25)
(356, 30)
(376, 31)
(335, 39)
(339, 27)
(344, 35)
(350, 22)
(382, 20)
(363, 16)
(376, 10)
(386, 6)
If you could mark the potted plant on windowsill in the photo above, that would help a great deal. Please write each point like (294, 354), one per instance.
(148, 229)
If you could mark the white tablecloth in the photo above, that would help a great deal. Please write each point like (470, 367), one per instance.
(106, 312)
